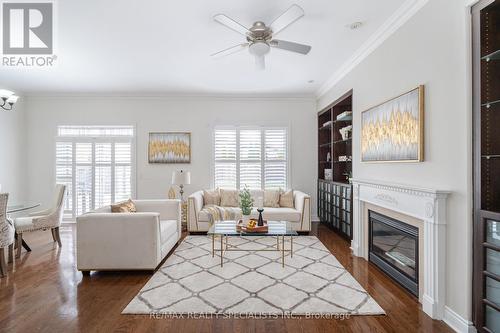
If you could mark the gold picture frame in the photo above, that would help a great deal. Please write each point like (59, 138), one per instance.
(393, 131)
(169, 147)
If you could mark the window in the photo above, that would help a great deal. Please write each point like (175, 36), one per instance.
(96, 165)
(255, 157)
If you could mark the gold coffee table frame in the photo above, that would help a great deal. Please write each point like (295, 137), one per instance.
(225, 246)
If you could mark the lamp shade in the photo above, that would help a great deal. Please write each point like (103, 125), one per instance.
(12, 99)
(181, 177)
(5, 93)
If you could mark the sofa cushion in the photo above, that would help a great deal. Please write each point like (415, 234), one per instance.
(279, 214)
(286, 199)
(167, 229)
(211, 197)
(124, 207)
(258, 197)
(272, 198)
(229, 198)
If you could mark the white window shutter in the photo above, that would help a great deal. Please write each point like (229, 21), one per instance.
(275, 164)
(64, 172)
(250, 158)
(225, 158)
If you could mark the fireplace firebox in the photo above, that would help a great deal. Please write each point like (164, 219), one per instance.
(393, 247)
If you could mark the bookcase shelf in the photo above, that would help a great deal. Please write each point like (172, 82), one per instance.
(335, 195)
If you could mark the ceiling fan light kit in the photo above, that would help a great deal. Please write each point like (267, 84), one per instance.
(260, 37)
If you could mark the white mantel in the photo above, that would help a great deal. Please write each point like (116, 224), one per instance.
(427, 205)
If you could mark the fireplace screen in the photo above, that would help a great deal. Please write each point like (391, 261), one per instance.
(394, 249)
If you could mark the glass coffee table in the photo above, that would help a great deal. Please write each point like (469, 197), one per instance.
(227, 229)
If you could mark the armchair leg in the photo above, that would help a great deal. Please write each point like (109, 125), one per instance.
(3, 266)
(11, 252)
(53, 235)
(57, 236)
(19, 245)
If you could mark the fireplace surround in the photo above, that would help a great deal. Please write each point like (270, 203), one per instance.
(423, 208)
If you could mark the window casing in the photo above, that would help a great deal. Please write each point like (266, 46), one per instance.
(253, 156)
(97, 164)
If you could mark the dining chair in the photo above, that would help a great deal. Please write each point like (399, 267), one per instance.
(6, 234)
(43, 220)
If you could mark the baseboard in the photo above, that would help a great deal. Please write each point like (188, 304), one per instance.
(456, 322)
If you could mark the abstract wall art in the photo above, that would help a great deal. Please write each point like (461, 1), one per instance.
(394, 130)
(169, 147)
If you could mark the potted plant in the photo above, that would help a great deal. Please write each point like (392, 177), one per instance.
(246, 203)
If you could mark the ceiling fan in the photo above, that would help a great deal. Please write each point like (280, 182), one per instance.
(260, 37)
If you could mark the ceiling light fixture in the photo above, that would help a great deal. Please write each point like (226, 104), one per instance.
(355, 25)
(8, 99)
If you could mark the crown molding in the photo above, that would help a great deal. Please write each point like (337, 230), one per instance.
(395, 21)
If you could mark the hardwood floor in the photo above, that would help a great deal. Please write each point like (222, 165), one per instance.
(45, 293)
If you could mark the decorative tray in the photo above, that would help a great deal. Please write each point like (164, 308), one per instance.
(242, 227)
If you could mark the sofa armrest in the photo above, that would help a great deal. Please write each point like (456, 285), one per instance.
(302, 202)
(195, 204)
(118, 241)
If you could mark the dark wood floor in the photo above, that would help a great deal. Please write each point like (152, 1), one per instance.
(45, 293)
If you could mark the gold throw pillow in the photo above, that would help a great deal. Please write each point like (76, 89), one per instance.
(286, 199)
(229, 198)
(211, 197)
(272, 198)
(124, 207)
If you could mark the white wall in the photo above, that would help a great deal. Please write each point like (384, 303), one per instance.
(197, 115)
(13, 153)
(429, 49)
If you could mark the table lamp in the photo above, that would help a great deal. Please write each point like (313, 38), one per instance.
(181, 178)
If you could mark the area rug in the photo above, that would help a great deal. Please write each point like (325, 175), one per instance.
(312, 282)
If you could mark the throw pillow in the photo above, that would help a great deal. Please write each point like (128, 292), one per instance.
(124, 207)
(229, 198)
(286, 199)
(272, 198)
(211, 198)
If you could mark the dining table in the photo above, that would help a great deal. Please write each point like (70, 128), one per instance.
(18, 208)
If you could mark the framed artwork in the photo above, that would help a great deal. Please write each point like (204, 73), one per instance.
(394, 130)
(169, 147)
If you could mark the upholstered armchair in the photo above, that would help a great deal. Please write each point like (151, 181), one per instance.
(6, 234)
(47, 219)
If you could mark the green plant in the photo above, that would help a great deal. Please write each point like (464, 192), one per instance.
(246, 201)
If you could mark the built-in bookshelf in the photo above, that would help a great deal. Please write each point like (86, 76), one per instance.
(335, 165)
(486, 100)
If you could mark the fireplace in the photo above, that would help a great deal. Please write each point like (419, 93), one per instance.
(393, 247)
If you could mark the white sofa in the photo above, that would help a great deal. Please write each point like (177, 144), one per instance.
(299, 216)
(128, 241)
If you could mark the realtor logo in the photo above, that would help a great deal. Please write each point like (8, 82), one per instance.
(27, 28)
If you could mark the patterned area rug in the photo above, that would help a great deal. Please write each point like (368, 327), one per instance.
(312, 281)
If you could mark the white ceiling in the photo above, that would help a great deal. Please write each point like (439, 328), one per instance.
(150, 47)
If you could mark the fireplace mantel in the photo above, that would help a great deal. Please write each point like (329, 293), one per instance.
(426, 205)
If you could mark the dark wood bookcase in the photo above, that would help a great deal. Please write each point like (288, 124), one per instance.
(335, 153)
(486, 100)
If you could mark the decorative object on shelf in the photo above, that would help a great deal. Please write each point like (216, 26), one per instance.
(328, 174)
(170, 147)
(171, 193)
(8, 99)
(344, 158)
(260, 222)
(394, 130)
(181, 178)
(345, 132)
(328, 123)
(246, 201)
(345, 116)
(349, 177)
(328, 157)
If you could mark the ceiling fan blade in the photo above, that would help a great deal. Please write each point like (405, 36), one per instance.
(231, 24)
(291, 15)
(290, 46)
(230, 50)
